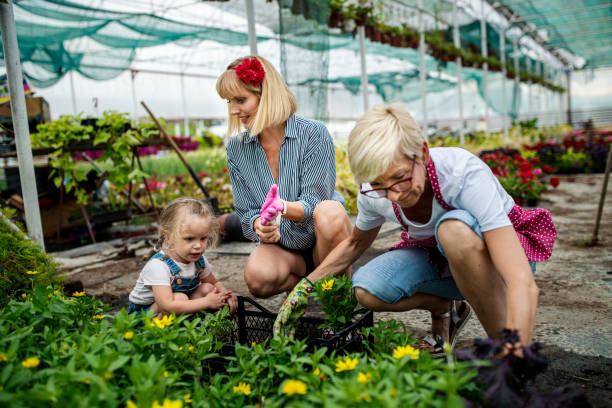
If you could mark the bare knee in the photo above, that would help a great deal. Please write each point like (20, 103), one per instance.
(203, 290)
(330, 219)
(369, 301)
(458, 239)
(258, 283)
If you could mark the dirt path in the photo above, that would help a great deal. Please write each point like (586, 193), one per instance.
(573, 320)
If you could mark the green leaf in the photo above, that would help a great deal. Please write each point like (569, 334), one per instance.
(118, 363)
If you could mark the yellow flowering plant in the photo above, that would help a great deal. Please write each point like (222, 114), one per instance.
(121, 361)
(338, 301)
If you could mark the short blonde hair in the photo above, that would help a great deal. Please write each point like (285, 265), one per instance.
(171, 217)
(378, 137)
(276, 102)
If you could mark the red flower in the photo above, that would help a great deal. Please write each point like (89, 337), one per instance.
(202, 174)
(251, 71)
(554, 181)
(547, 169)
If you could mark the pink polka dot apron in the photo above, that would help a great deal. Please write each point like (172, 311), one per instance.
(534, 228)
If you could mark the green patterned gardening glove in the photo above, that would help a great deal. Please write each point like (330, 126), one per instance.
(292, 309)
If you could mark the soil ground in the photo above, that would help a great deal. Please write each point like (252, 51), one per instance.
(573, 320)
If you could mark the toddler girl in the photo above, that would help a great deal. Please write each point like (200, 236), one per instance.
(178, 278)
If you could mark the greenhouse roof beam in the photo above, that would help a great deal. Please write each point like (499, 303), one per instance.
(529, 30)
(563, 12)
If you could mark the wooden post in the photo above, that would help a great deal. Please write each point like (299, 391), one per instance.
(60, 211)
(144, 180)
(602, 198)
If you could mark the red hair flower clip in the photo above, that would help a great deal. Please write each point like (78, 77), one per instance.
(250, 71)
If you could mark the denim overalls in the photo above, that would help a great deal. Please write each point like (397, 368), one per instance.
(177, 283)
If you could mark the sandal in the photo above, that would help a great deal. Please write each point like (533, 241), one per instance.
(458, 318)
(434, 342)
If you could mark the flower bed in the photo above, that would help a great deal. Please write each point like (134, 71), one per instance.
(521, 177)
(577, 151)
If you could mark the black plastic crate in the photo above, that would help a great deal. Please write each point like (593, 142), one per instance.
(253, 323)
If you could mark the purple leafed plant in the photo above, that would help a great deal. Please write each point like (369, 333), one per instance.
(506, 379)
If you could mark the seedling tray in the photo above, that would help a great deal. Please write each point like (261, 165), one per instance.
(253, 323)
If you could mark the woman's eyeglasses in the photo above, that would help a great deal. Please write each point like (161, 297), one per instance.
(398, 187)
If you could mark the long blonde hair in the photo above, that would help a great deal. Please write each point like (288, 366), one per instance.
(170, 220)
(276, 101)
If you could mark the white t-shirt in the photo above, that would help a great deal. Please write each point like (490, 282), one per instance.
(157, 273)
(466, 183)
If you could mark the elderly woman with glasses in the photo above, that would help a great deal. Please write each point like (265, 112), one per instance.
(464, 238)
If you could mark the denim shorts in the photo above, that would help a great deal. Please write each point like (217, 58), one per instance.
(404, 272)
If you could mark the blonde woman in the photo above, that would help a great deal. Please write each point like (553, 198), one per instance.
(271, 145)
(464, 237)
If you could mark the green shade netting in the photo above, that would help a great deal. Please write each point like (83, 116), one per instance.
(58, 36)
(583, 27)
(47, 31)
(471, 37)
(312, 60)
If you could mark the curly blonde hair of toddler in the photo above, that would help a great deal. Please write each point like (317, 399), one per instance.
(173, 217)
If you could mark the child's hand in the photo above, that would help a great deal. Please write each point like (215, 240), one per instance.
(217, 299)
(232, 302)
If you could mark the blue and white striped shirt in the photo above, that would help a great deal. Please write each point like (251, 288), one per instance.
(306, 174)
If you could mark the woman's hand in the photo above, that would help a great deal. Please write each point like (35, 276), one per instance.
(268, 234)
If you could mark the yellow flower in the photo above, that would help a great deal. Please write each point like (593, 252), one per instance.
(293, 387)
(347, 364)
(130, 404)
(327, 284)
(108, 375)
(169, 404)
(166, 374)
(30, 362)
(3, 357)
(361, 398)
(181, 348)
(99, 317)
(56, 291)
(187, 398)
(164, 321)
(129, 335)
(393, 392)
(66, 347)
(447, 348)
(190, 348)
(402, 351)
(364, 378)
(78, 294)
(32, 272)
(243, 388)
(23, 295)
(316, 371)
